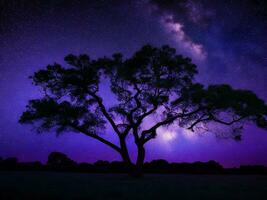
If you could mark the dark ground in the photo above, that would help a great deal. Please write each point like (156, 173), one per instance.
(52, 185)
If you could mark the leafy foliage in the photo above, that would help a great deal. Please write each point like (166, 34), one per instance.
(61, 116)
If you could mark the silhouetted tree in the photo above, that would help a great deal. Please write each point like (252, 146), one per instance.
(36, 165)
(155, 83)
(11, 161)
(158, 166)
(57, 159)
(102, 165)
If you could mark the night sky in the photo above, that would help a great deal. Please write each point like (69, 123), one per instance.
(227, 39)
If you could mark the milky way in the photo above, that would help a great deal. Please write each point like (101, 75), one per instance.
(226, 39)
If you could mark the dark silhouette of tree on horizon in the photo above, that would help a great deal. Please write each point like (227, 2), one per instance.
(58, 159)
(155, 83)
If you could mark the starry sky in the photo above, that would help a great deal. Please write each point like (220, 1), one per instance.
(227, 39)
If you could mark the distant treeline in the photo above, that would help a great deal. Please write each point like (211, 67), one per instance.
(60, 162)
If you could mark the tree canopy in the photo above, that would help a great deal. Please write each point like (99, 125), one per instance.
(154, 81)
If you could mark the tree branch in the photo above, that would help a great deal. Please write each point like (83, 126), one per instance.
(162, 123)
(191, 127)
(97, 137)
(140, 119)
(151, 136)
(105, 113)
(169, 120)
(136, 124)
(137, 101)
(224, 122)
(139, 105)
(133, 125)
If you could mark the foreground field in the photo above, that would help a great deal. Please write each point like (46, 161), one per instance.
(52, 185)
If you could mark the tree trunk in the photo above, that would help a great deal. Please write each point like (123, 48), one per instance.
(125, 156)
(138, 168)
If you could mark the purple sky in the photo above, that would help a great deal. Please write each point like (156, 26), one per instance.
(226, 39)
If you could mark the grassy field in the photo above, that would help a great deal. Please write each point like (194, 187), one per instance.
(52, 185)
